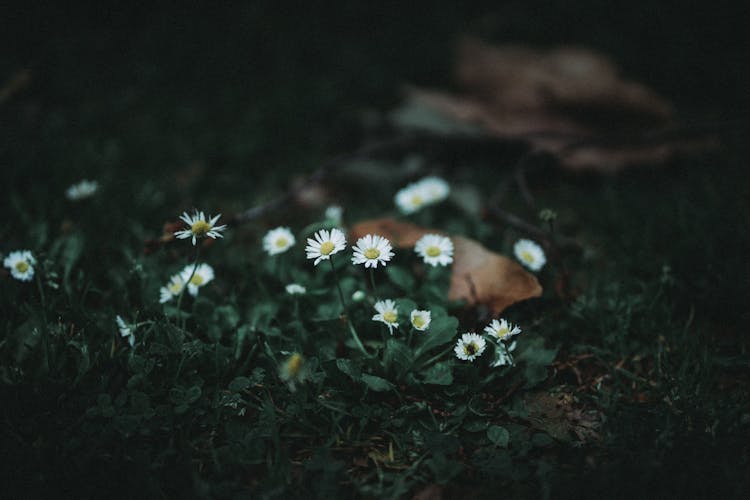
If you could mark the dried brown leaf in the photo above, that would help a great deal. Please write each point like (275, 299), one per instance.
(569, 101)
(478, 275)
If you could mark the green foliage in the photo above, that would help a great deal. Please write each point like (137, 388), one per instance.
(639, 372)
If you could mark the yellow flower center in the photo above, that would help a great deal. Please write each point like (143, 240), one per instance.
(294, 364)
(200, 228)
(326, 248)
(390, 316)
(22, 266)
(372, 253)
(433, 251)
(527, 256)
(175, 287)
(282, 242)
(502, 332)
(470, 349)
(418, 321)
(416, 200)
(196, 280)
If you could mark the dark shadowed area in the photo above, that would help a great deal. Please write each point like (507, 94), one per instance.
(613, 135)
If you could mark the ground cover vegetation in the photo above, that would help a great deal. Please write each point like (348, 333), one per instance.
(280, 278)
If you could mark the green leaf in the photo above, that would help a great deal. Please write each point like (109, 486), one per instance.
(192, 394)
(499, 436)
(70, 255)
(401, 278)
(377, 384)
(348, 367)
(439, 374)
(397, 356)
(239, 384)
(441, 331)
(536, 358)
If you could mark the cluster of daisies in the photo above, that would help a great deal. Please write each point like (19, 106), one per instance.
(387, 313)
(193, 276)
(472, 345)
(371, 251)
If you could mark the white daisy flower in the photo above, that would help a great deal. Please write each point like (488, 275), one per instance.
(372, 249)
(501, 330)
(293, 370)
(82, 190)
(278, 240)
(172, 289)
(411, 198)
(435, 249)
(435, 188)
(325, 244)
(21, 264)
(503, 356)
(530, 254)
(200, 226)
(387, 313)
(126, 331)
(334, 214)
(295, 289)
(203, 274)
(470, 346)
(420, 320)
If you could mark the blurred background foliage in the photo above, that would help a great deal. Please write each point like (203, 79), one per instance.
(227, 105)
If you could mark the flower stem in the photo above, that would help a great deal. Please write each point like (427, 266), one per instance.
(436, 357)
(338, 285)
(352, 330)
(45, 332)
(372, 283)
(185, 286)
(357, 341)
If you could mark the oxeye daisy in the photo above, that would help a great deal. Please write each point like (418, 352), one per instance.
(501, 330)
(411, 198)
(470, 346)
(387, 313)
(435, 188)
(202, 275)
(372, 249)
(82, 190)
(503, 356)
(325, 244)
(293, 370)
(530, 254)
(126, 330)
(420, 320)
(21, 264)
(295, 289)
(200, 226)
(172, 289)
(278, 240)
(435, 249)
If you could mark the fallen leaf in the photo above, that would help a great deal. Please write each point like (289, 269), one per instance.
(478, 275)
(570, 102)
